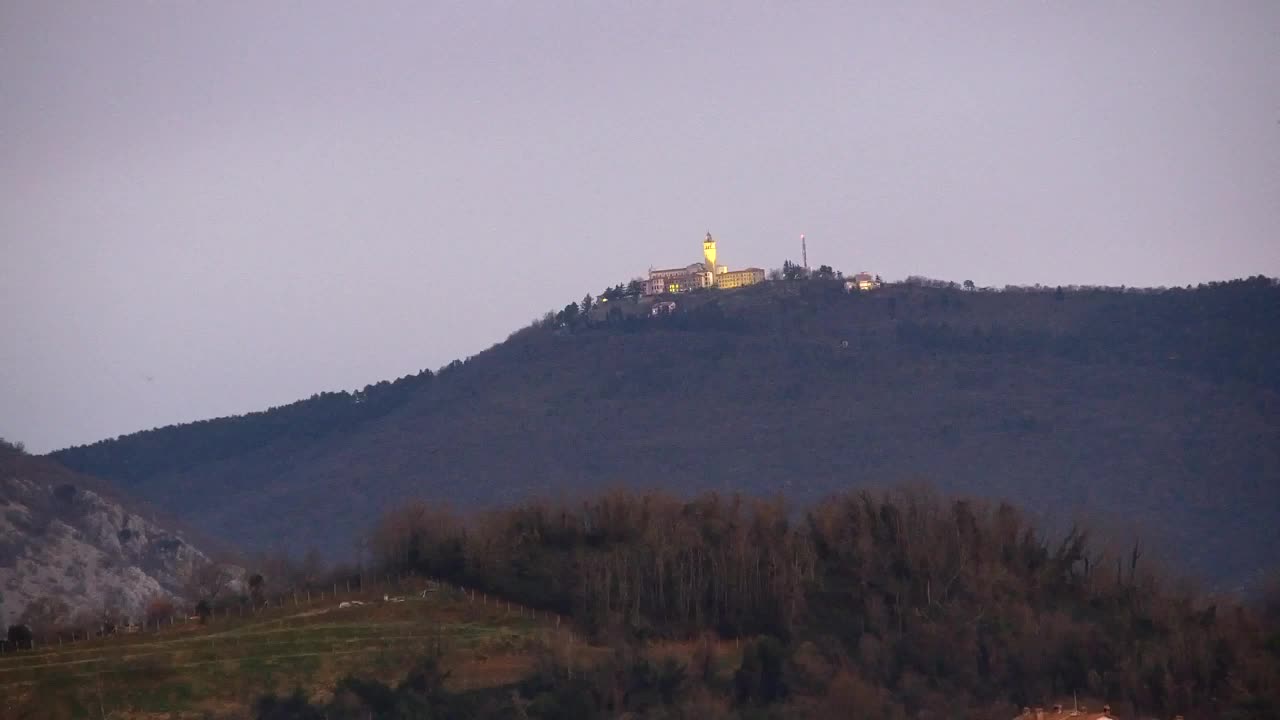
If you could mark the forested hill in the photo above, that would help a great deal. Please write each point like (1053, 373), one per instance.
(1159, 410)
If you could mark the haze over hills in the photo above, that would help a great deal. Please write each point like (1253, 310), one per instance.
(1158, 410)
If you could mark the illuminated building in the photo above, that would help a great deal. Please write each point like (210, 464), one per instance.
(863, 281)
(739, 278)
(677, 280)
(705, 274)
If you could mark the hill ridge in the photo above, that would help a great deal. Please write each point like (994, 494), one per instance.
(1160, 407)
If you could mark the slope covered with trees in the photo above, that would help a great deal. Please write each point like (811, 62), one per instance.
(891, 605)
(1157, 411)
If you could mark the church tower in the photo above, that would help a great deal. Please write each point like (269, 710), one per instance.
(709, 254)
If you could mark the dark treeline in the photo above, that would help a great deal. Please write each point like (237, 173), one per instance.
(176, 448)
(913, 603)
(1220, 331)
(649, 564)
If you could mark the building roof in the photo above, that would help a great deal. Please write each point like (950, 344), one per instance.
(695, 267)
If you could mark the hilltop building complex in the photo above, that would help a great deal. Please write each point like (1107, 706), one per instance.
(863, 281)
(706, 274)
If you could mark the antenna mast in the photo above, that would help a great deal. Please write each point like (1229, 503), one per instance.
(804, 252)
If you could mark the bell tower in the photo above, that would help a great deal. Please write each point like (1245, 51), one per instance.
(709, 254)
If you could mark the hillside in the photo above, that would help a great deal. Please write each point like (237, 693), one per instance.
(220, 669)
(68, 539)
(903, 604)
(1158, 411)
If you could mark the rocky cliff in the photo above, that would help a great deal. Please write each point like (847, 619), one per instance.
(64, 537)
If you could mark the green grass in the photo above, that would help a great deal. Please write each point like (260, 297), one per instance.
(220, 669)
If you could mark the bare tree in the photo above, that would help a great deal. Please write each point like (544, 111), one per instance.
(208, 581)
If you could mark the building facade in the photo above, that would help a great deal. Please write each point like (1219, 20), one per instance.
(862, 282)
(677, 280)
(706, 274)
(739, 278)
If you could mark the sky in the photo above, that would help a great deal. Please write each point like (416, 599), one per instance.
(208, 208)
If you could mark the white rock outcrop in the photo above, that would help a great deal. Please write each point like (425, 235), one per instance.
(61, 540)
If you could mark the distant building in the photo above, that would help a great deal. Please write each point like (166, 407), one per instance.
(862, 282)
(662, 308)
(739, 278)
(706, 274)
(677, 280)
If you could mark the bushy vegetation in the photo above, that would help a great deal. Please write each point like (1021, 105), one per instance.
(910, 602)
(420, 696)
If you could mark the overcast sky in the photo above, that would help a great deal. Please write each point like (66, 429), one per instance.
(210, 207)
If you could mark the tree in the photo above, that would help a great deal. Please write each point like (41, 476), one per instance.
(825, 272)
(256, 582)
(290, 707)
(208, 580)
(635, 288)
(759, 679)
(968, 285)
(586, 304)
(569, 315)
(792, 271)
(20, 636)
(45, 614)
(159, 608)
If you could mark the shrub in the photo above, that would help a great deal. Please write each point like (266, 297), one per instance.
(159, 609)
(19, 637)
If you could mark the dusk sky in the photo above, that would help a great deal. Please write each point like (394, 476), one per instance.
(208, 208)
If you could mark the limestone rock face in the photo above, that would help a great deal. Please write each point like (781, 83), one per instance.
(65, 541)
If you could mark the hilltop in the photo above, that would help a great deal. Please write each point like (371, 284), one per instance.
(1155, 409)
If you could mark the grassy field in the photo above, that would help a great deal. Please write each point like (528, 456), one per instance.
(218, 670)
